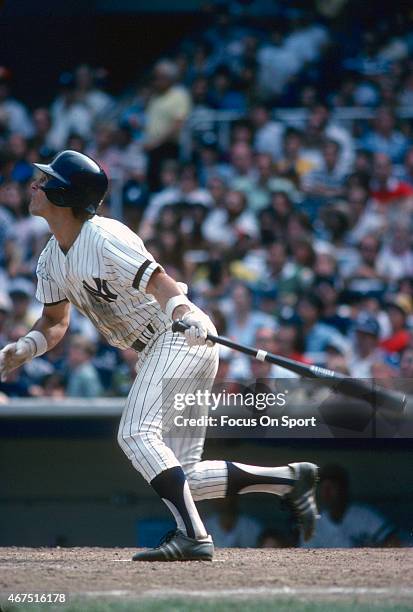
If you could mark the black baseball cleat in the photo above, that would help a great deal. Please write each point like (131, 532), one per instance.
(176, 546)
(301, 498)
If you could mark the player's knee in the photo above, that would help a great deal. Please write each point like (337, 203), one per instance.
(135, 445)
(123, 441)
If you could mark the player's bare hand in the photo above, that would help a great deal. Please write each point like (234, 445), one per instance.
(14, 355)
(199, 326)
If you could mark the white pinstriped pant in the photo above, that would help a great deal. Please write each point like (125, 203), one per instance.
(149, 413)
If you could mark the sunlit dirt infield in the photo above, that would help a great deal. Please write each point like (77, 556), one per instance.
(380, 575)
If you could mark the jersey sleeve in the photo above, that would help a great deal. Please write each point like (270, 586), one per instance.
(129, 265)
(48, 292)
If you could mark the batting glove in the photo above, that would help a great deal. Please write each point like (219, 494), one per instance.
(199, 326)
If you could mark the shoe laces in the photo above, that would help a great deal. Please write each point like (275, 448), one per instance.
(167, 537)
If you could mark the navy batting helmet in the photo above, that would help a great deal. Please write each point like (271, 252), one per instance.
(76, 181)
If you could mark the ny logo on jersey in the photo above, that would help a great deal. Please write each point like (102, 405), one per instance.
(101, 291)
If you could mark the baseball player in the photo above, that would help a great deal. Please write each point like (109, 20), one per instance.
(103, 269)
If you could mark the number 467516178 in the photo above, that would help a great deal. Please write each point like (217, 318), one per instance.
(37, 598)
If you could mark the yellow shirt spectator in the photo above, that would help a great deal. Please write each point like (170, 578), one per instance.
(165, 112)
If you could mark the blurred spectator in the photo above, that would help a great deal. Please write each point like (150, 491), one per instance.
(230, 225)
(319, 128)
(53, 385)
(125, 373)
(96, 100)
(75, 142)
(242, 165)
(333, 315)
(211, 167)
(366, 346)
(69, 114)
(295, 162)
(395, 260)
(32, 231)
(186, 193)
(5, 310)
(328, 181)
(384, 138)
(364, 218)
(223, 94)
(257, 190)
(369, 248)
(134, 113)
(10, 255)
(132, 160)
(243, 321)
(385, 187)
(18, 384)
(405, 97)
(406, 365)
(268, 133)
(242, 132)
(367, 60)
(229, 528)
(42, 124)
(355, 91)
(22, 170)
(14, 117)
(106, 359)
(104, 149)
(407, 172)
(277, 64)
(274, 220)
(345, 524)
(290, 341)
(167, 110)
(282, 274)
(21, 292)
(399, 308)
(317, 335)
(83, 379)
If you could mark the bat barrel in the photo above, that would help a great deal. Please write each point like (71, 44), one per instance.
(379, 398)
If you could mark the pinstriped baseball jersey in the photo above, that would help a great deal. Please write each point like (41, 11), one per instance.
(104, 274)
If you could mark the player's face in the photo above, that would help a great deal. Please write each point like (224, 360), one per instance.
(39, 204)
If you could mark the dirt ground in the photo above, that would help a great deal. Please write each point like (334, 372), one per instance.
(378, 574)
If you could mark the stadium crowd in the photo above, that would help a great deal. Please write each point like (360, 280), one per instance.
(294, 235)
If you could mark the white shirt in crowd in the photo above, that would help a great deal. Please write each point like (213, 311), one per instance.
(244, 534)
(360, 526)
(218, 228)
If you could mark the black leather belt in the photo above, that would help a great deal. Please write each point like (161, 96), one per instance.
(143, 339)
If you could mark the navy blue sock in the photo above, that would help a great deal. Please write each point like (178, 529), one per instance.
(253, 478)
(171, 485)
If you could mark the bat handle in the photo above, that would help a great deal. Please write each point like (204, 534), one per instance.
(179, 326)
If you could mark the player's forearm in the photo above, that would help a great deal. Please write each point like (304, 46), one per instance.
(52, 330)
(163, 288)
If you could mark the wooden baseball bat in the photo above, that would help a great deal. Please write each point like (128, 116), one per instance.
(379, 398)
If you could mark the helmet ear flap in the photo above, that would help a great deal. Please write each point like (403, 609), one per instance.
(55, 195)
